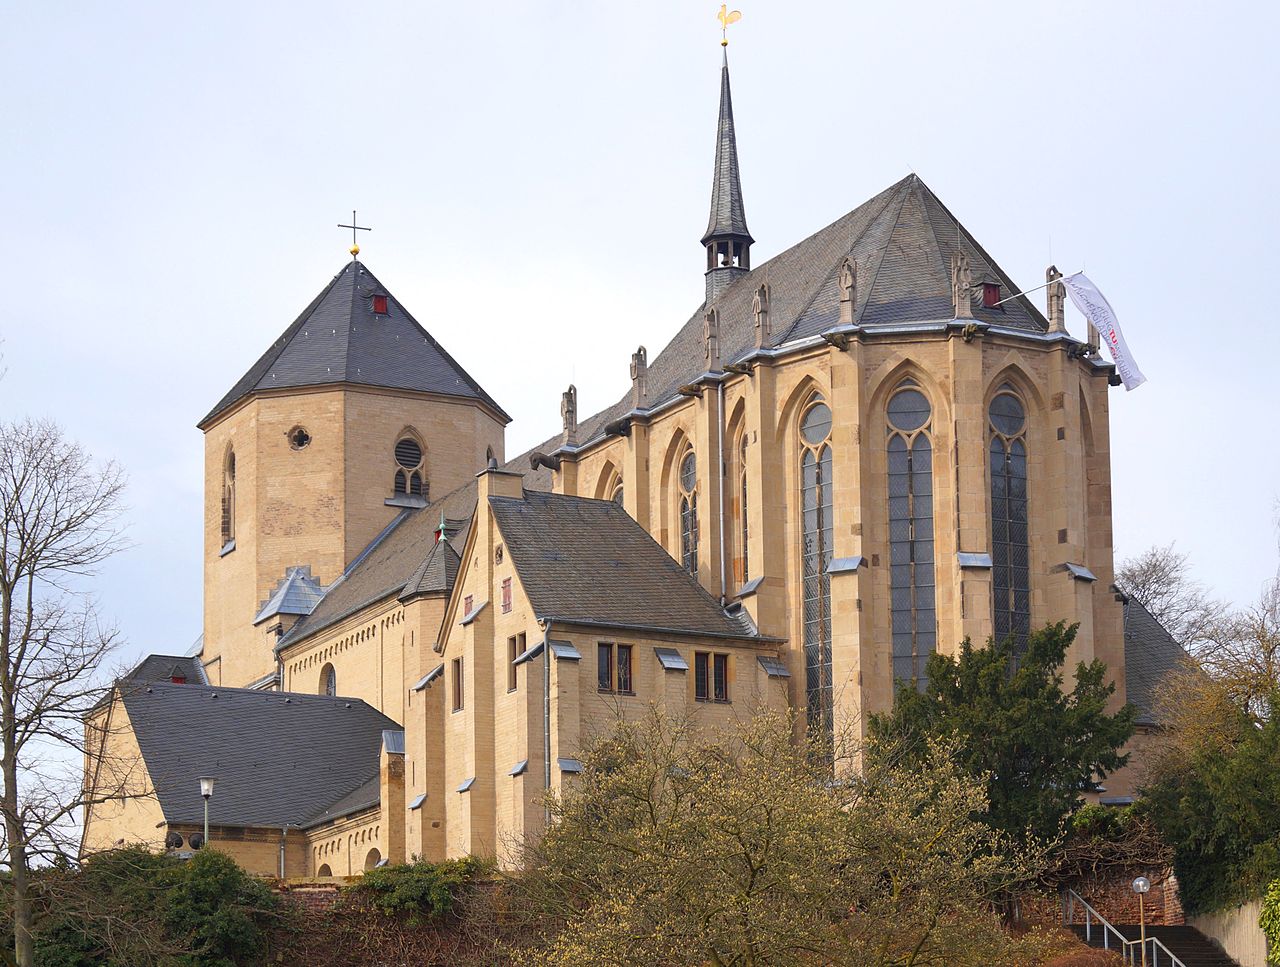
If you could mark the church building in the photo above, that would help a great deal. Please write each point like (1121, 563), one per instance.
(861, 451)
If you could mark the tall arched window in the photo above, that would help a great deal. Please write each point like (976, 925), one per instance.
(911, 571)
(1010, 549)
(411, 475)
(229, 497)
(688, 484)
(328, 681)
(815, 554)
(744, 559)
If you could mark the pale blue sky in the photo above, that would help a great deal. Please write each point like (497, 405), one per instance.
(537, 176)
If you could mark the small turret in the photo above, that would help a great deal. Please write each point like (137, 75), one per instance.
(727, 240)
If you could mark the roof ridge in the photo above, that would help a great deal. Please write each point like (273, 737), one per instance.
(264, 362)
(817, 289)
(884, 251)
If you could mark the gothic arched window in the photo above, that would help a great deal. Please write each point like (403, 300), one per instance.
(815, 554)
(911, 571)
(229, 497)
(411, 474)
(1010, 548)
(616, 494)
(688, 485)
(744, 565)
(328, 681)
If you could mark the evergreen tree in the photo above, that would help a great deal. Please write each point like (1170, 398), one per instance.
(1037, 745)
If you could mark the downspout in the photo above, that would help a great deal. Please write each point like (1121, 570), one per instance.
(546, 719)
(284, 834)
(724, 591)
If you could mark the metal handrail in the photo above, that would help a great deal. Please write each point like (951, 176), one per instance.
(1130, 950)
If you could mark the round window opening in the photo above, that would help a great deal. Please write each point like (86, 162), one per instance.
(908, 410)
(689, 472)
(408, 453)
(1007, 414)
(299, 438)
(816, 425)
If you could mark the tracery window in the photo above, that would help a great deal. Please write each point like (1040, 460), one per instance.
(328, 681)
(815, 554)
(744, 565)
(1010, 548)
(911, 564)
(688, 483)
(411, 474)
(229, 497)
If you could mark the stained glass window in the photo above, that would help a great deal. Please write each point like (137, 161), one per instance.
(1010, 547)
(689, 512)
(911, 571)
(815, 555)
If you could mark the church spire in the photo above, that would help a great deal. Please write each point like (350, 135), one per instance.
(727, 240)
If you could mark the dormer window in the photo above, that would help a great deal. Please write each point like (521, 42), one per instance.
(991, 294)
(380, 304)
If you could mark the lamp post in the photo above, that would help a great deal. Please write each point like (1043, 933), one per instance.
(1140, 886)
(206, 791)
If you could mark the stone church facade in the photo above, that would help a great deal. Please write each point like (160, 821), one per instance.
(858, 452)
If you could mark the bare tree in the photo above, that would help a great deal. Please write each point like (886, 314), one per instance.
(1160, 579)
(60, 514)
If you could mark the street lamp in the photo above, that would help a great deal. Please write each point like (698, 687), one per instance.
(206, 791)
(1140, 886)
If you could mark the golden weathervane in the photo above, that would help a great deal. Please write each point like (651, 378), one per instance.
(726, 17)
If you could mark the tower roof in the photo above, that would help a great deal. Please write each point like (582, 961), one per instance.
(339, 338)
(728, 216)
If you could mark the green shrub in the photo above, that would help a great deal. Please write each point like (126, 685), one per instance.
(1270, 921)
(221, 908)
(419, 890)
(132, 907)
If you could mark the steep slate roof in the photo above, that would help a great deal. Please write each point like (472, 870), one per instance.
(728, 216)
(261, 746)
(165, 668)
(339, 338)
(392, 562)
(297, 593)
(587, 561)
(902, 241)
(1150, 653)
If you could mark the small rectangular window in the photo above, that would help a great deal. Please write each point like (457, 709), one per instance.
(624, 669)
(604, 667)
(506, 595)
(701, 676)
(515, 647)
(720, 675)
(457, 685)
(990, 294)
(467, 602)
(380, 304)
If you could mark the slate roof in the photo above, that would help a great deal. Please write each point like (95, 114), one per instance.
(165, 668)
(586, 561)
(297, 593)
(902, 241)
(1150, 653)
(401, 556)
(338, 338)
(728, 216)
(261, 746)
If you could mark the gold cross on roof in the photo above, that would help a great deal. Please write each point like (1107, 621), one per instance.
(355, 227)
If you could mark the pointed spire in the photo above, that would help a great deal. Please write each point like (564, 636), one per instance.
(727, 240)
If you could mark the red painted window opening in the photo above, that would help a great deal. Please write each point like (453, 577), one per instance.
(990, 294)
(506, 595)
(380, 304)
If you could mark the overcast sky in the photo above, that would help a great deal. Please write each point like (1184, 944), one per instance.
(537, 176)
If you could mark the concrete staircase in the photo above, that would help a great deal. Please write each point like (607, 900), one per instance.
(1188, 944)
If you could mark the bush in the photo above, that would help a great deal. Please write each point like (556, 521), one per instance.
(413, 890)
(1270, 921)
(221, 908)
(131, 907)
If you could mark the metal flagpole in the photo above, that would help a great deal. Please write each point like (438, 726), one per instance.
(1034, 288)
